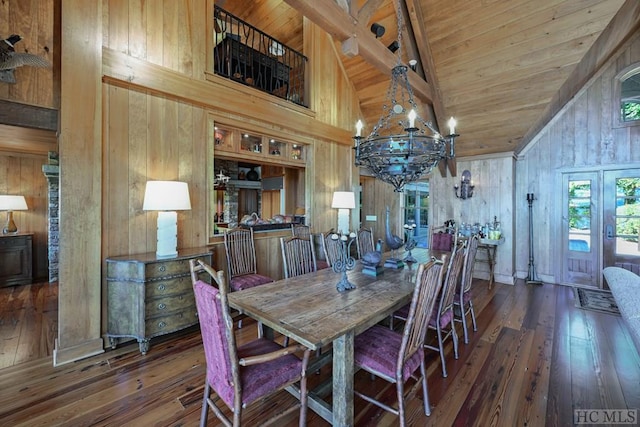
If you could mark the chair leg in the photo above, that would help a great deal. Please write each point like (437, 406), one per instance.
(425, 390)
(400, 393)
(454, 335)
(441, 350)
(205, 405)
(473, 315)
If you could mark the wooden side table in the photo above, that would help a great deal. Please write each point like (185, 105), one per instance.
(149, 296)
(16, 263)
(491, 249)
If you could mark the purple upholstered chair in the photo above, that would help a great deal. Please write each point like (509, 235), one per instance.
(396, 356)
(441, 240)
(463, 304)
(442, 316)
(240, 375)
(241, 260)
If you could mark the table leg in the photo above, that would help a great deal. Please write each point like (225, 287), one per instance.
(491, 257)
(343, 380)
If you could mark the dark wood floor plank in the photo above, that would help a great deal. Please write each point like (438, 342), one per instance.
(533, 360)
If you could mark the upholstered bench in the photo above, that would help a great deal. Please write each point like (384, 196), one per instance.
(625, 287)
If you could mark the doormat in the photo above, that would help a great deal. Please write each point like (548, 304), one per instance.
(596, 300)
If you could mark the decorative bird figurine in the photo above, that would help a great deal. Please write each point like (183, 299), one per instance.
(10, 59)
(393, 242)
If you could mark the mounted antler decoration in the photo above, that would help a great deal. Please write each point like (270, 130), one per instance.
(10, 59)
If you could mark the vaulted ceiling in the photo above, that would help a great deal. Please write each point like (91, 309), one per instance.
(501, 67)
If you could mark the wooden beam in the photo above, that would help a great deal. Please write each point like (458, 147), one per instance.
(30, 116)
(421, 38)
(625, 23)
(367, 10)
(329, 16)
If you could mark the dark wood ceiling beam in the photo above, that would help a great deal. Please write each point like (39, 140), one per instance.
(329, 16)
(625, 23)
(30, 116)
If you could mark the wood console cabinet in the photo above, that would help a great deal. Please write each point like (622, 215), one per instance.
(149, 296)
(16, 264)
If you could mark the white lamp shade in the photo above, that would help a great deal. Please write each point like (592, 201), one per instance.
(343, 200)
(13, 203)
(166, 196)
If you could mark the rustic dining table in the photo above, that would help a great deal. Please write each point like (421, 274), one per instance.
(309, 310)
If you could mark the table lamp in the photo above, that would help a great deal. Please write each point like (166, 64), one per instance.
(343, 201)
(167, 197)
(10, 204)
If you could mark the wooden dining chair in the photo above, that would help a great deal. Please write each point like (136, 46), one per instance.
(298, 256)
(332, 247)
(364, 242)
(442, 317)
(463, 303)
(241, 260)
(396, 356)
(440, 239)
(240, 375)
(300, 230)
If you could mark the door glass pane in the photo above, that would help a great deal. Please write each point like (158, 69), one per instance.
(416, 210)
(580, 216)
(627, 215)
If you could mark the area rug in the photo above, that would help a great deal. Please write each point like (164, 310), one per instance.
(596, 300)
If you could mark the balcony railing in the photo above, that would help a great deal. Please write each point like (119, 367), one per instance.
(247, 55)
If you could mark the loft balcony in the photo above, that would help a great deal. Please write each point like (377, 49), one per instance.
(247, 55)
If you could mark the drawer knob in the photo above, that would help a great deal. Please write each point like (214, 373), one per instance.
(162, 268)
(161, 324)
(161, 287)
(162, 306)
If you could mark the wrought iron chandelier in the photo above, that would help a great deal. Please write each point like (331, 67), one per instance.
(402, 145)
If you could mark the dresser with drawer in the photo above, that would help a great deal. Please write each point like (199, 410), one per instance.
(149, 296)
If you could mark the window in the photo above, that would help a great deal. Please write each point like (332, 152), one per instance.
(627, 92)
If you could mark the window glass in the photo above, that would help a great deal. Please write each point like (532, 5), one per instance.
(630, 98)
(580, 216)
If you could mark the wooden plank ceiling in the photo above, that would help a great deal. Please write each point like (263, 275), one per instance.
(495, 65)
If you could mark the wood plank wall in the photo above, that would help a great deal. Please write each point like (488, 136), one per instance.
(23, 151)
(493, 195)
(583, 136)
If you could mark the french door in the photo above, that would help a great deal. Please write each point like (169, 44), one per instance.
(416, 210)
(579, 237)
(622, 219)
(600, 221)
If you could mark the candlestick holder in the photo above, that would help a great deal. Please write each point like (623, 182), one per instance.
(410, 242)
(345, 262)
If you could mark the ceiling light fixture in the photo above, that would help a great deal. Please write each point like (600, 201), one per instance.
(402, 146)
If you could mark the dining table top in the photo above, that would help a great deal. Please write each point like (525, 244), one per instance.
(309, 308)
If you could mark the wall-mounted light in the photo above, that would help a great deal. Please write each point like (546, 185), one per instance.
(466, 186)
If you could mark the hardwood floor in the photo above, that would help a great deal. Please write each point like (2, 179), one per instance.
(534, 359)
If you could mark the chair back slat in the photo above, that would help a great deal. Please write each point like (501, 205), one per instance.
(469, 261)
(241, 252)
(298, 256)
(364, 241)
(218, 339)
(428, 285)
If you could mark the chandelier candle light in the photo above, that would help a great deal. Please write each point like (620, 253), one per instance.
(345, 262)
(402, 146)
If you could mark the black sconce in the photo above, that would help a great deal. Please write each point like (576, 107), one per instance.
(465, 187)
